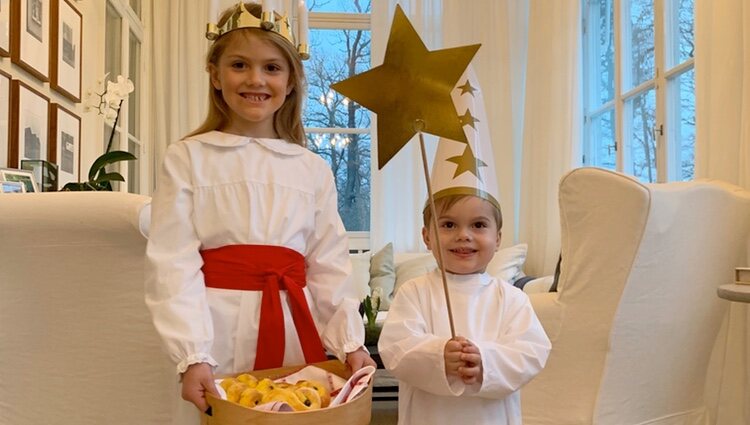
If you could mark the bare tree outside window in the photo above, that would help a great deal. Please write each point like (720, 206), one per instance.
(625, 120)
(337, 129)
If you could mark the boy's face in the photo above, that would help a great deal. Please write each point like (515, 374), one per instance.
(468, 235)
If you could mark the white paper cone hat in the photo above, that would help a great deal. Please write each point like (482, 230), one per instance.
(461, 168)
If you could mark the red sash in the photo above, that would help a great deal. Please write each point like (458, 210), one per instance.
(269, 269)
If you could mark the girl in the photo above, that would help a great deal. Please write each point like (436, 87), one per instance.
(248, 256)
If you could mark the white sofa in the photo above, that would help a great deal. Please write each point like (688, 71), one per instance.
(77, 345)
(636, 314)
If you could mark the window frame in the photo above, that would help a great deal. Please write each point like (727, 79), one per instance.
(665, 84)
(358, 240)
(131, 23)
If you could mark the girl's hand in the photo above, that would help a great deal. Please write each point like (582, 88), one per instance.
(359, 359)
(452, 356)
(471, 372)
(197, 380)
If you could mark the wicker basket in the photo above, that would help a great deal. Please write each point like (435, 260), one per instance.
(355, 412)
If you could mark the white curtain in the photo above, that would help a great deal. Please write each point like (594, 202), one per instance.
(501, 28)
(722, 151)
(551, 130)
(175, 60)
(399, 190)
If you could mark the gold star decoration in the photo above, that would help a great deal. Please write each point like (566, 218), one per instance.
(467, 162)
(467, 88)
(467, 118)
(411, 90)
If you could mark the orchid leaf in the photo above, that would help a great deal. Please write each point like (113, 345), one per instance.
(107, 159)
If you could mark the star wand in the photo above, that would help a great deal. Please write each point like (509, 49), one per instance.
(411, 94)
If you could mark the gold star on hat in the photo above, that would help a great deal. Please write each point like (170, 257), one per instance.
(466, 118)
(467, 88)
(456, 169)
(467, 162)
(412, 86)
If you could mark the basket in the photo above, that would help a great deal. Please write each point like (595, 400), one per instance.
(355, 412)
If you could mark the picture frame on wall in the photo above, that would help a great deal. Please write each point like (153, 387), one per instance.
(25, 177)
(4, 27)
(29, 36)
(5, 101)
(66, 48)
(29, 124)
(65, 144)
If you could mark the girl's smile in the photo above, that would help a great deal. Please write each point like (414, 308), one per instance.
(253, 77)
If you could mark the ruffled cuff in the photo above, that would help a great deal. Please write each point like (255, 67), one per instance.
(193, 359)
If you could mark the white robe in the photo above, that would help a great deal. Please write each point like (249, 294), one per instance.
(218, 189)
(492, 314)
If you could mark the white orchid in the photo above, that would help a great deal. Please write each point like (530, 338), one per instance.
(107, 99)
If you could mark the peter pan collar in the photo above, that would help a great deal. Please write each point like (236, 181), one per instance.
(226, 140)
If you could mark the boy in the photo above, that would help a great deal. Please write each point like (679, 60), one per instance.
(500, 345)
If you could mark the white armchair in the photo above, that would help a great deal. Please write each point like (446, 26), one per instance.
(636, 314)
(77, 345)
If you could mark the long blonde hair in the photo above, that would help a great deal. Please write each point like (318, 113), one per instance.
(287, 120)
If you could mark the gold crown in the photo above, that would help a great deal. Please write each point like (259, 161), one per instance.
(241, 18)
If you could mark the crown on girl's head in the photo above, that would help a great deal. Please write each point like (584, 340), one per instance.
(242, 18)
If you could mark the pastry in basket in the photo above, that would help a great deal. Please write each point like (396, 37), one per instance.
(325, 396)
(248, 379)
(250, 397)
(306, 400)
(235, 391)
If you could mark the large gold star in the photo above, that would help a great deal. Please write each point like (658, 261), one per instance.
(413, 85)
(467, 162)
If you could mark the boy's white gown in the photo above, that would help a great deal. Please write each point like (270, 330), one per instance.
(217, 189)
(492, 314)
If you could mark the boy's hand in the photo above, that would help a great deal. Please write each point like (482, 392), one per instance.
(358, 359)
(471, 372)
(198, 380)
(452, 356)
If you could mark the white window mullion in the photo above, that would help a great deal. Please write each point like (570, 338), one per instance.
(661, 132)
(619, 101)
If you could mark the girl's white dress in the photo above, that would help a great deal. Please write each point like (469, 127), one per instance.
(492, 314)
(218, 189)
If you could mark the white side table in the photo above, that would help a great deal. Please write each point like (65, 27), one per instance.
(734, 292)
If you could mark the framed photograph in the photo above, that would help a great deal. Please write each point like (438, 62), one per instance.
(65, 144)
(65, 52)
(5, 101)
(45, 173)
(29, 36)
(24, 177)
(4, 27)
(29, 124)
(12, 187)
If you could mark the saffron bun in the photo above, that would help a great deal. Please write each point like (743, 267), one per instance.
(248, 379)
(235, 390)
(249, 391)
(286, 396)
(325, 396)
(309, 397)
(265, 385)
(250, 397)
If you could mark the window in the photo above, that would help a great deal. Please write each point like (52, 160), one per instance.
(639, 87)
(339, 130)
(122, 56)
